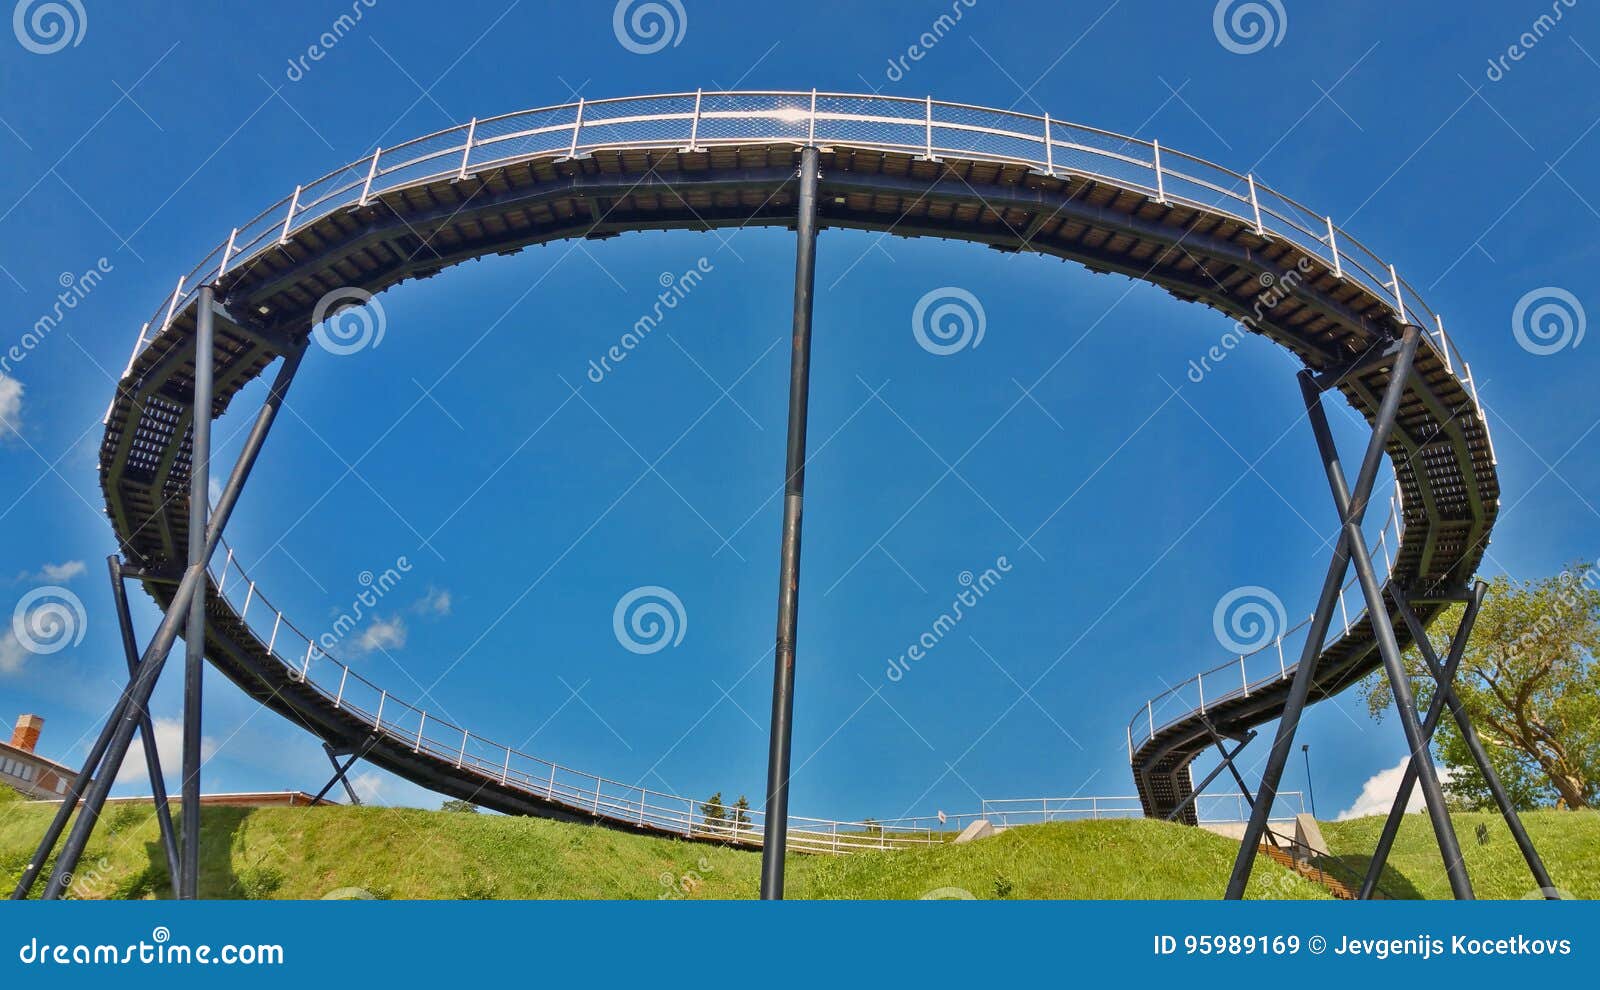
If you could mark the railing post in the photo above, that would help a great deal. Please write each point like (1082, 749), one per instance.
(461, 756)
(338, 702)
(1399, 298)
(377, 720)
(1345, 612)
(249, 593)
(928, 127)
(305, 667)
(1244, 678)
(694, 126)
(1049, 148)
(1200, 683)
(172, 307)
(1130, 742)
(1161, 184)
(577, 126)
(222, 578)
(274, 638)
(1255, 205)
(1444, 343)
(811, 130)
(421, 722)
(550, 789)
(1282, 668)
(466, 152)
(1333, 246)
(372, 173)
(1149, 711)
(288, 220)
(227, 252)
(505, 768)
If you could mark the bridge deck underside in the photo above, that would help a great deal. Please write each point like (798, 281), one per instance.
(1440, 453)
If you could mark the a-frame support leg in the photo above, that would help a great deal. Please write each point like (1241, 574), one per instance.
(1317, 632)
(1216, 771)
(152, 759)
(341, 771)
(1389, 649)
(1444, 675)
(98, 773)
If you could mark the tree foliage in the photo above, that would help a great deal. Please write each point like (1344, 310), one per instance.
(1530, 682)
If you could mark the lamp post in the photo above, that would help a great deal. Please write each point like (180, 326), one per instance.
(1305, 750)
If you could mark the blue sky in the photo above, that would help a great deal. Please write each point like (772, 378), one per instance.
(527, 500)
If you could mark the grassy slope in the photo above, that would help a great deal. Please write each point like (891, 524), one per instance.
(1568, 842)
(398, 853)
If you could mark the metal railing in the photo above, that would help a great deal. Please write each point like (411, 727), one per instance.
(305, 660)
(926, 127)
(1270, 663)
(1212, 809)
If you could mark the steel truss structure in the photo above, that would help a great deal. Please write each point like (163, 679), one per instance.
(806, 160)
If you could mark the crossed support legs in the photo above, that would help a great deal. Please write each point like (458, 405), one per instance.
(94, 780)
(1351, 511)
(1445, 697)
(341, 771)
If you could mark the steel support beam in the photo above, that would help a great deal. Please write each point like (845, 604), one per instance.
(152, 759)
(776, 832)
(1305, 671)
(340, 772)
(1388, 644)
(1444, 675)
(194, 634)
(111, 747)
(1216, 771)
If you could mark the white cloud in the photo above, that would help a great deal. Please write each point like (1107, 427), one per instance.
(369, 786)
(169, 746)
(1378, 793)
(437, 601)
(60, 573)
(10, 407)
(383, 634)
(12, 654)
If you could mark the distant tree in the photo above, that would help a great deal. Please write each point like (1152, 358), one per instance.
(741, 812)
(464, 807)
(873, 826)
(714, 813)
(1530, 682)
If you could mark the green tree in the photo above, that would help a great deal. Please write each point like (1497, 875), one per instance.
(1530, 682)
(714, 813)
(465, 807)
(741, 812)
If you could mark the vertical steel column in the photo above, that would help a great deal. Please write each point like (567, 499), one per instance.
(194, 634)
(152, 759)
(1469, 735)
(111, 747)
(1305, 672)
(776, 825)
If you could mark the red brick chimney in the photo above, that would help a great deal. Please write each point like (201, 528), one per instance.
(26, 735)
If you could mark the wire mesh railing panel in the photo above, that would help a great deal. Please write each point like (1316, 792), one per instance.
(522, 135)
(430, 158)
(872, 120)
(1090, 152)
(764, 117)
(656, 120)
(959, 130)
